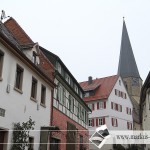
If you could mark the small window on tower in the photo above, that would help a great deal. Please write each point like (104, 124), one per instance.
(119, 82)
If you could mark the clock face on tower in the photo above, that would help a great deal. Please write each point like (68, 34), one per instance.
(135, 82)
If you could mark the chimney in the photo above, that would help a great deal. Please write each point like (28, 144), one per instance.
(90, 80)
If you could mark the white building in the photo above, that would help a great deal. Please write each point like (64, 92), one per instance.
(110, 103)
(24, 89)
(145, 107)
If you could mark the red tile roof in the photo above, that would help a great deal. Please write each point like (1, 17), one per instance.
(103, 87)
(16, 30)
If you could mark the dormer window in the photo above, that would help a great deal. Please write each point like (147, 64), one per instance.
(119, 82)
(59, 67)
(34, 57)
(67, 78)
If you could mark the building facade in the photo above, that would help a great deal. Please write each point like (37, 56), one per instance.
(110, 104)
(26, 91)
(70, 112)
(145, 107)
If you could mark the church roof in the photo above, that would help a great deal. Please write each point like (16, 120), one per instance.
(127, 65)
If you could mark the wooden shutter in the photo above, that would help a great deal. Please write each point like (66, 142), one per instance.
(127, 125)
(130, 111)
(97, 122)
(115, 91)
(117, 107)
(116, 123)
(120, 108)
(127, 110)
(112, 121)
(97, 105)
(104, 120)
(92, 106)
(125, 96)
(93, 122)
(104, 105)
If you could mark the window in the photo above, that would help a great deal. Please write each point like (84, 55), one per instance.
(34, 88)
(129, 125)
(71, 103)
(81, 142)
(114, 122)
(128, 111)
(31, 143)
(90, 123)
(116, 107)
(119, 82)
(19, 78)
(76, 88)
(85, 116)
(67, 78)
(120, 94)
(87, 94)
(59, 67)
(101, 105)
(2, 112)
(64, 97)
(1, 63)
(43, 94)
(34, 57)
(101, 121)
(60, 93)
(54, 144)
(120, 108)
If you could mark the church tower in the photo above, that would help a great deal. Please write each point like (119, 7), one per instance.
(127, 67)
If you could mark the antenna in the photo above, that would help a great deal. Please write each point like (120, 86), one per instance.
(3, 15)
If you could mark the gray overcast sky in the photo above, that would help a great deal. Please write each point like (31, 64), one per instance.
(86, 34)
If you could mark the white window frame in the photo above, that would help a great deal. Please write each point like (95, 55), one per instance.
(101, 105)
(100, 121)
(114, 122)
(90, 123)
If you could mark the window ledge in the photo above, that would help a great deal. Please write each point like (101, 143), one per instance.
(33, 99)
(18, 90)
(43, 105)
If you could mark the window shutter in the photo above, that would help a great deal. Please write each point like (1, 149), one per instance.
(130, 111)
(104, 120)
(112, 121)
(93, 122)
(92, 106)
(127, 125)
(116, 123)
(125, 96)
(127, 110)
(117, 107)
(104, 105)
(115, 91)
(111, 105)
(97, 122)
(97, 105)
(120, 108)
(131, 126)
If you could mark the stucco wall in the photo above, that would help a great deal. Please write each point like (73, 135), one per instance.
(19, 107)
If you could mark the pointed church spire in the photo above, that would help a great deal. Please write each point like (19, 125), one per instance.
(127, 65)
